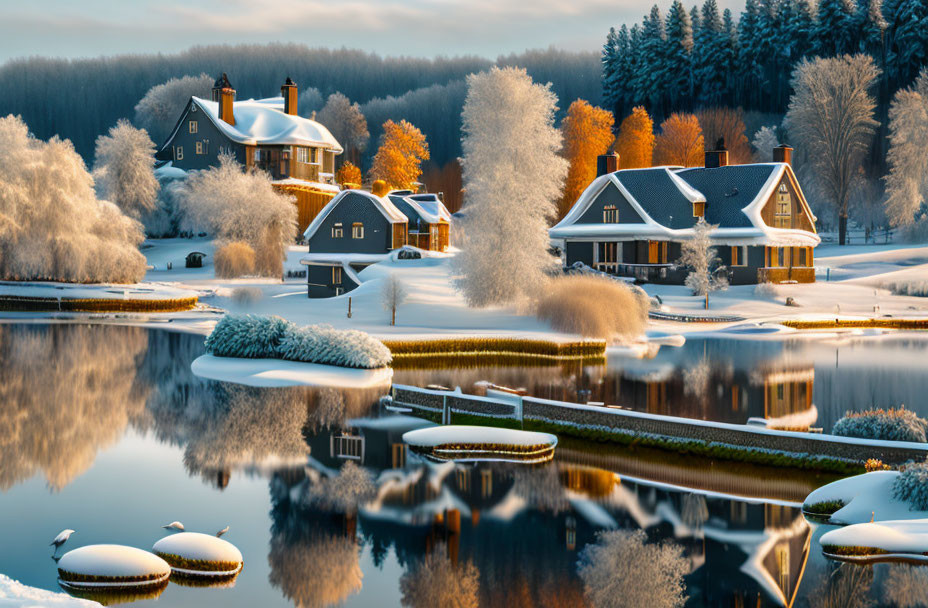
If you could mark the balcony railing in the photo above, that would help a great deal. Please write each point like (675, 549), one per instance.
(641, 272)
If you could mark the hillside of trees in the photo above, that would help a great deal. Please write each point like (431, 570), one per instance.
(78, 99)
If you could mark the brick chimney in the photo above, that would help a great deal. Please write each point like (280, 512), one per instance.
(718, 157)
(224, 94)
(607, 163)
(289, 92)
(783, 154)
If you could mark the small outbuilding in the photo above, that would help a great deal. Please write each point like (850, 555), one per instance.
(195, 259)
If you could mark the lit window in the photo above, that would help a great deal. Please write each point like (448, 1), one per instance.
(784, 208)
(192, 125)
(336, 275)
(199, 147)
(357, 230)
(739, 256)
(610, 215)
(337, 231)
(178, 153)
(302, 155)
(699, 209)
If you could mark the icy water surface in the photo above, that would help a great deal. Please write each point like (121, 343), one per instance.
(104, 429)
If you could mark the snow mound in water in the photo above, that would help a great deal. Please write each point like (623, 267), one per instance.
(864, 496)
(113, 563)
(14, 594)
(882, 539)
(475, 435)
(277, 372)
(196, 553)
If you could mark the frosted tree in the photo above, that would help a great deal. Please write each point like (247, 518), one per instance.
(309, 102)
(435, 581)
(394, 294)
(698, 254)
(345, 492)
(52, 226)
(907, 182)
(160, 108)
(765, 140)
(831, 118)
(237, 206)
(124, 163)
(513, 175)
(622, 569)
(347, 124)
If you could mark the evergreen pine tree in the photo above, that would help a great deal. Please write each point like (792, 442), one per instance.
(609, 64)
(909, 49)
(678, 55)
(650, 67)
(800, 25)
(710, 55)
(834, 26)
(696, 25)
(728, 62)
(748, 53)
(624, 70)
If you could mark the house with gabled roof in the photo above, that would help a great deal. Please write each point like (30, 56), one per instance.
(429, 219)
(266, 134)
(632, 222)
(354, 230)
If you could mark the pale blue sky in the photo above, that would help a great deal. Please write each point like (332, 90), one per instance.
(82, 28)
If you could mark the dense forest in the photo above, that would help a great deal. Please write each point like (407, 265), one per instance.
(79, 99)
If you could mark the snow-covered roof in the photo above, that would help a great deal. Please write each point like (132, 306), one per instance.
(302, 183)
(263, 121)
(663, 198)
(427, 207)
(382, 204)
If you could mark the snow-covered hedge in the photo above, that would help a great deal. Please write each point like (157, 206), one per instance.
(270, 337)
(891, 425)
(911, 486)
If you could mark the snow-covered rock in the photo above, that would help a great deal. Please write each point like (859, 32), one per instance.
(864, 496)
(14, 594)
(196, 554)
(460, 442)
(111, 565)
(906, 538)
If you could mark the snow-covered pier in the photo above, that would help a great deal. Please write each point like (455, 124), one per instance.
(701, 437)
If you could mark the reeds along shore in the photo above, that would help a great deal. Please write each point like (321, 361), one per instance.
(497, 346)
(33, 304)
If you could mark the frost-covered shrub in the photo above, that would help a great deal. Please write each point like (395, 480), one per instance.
(246, 296)
(233, 260)
(891, 425)
(330, 346)
(270, 337)
(909, 288)
(766, 290)
(594, 307)
(248, 336)
(912, 486)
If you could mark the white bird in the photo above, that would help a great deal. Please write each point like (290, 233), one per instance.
(174, 525)
(221, 532)
(62, 538)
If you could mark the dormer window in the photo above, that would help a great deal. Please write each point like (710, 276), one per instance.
(337, 231)
(699, 209)
(610, 215)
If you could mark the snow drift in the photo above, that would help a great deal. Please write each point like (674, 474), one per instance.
(271, 337)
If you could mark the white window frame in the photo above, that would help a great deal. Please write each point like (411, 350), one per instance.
(178, 153)
(192, 126)
(302, 155)
(357, 230)
(338, 231)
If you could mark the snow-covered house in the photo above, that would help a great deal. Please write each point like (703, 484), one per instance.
(354, 230)
(429, 219)
(267, 134)
(632, 222)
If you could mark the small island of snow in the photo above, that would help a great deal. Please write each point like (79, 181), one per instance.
(459, 442)
(879, 541)
(196, 554)
(111, 565)
(857, 499)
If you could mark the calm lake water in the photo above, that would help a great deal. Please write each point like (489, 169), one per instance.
(105, 430)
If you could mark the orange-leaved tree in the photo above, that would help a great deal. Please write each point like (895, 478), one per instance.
(635, 143)
(587, 132)
(727, 124)
(399, 159)
(680, 142)
(348, 175)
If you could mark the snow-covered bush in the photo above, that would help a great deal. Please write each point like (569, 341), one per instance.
(325, 344)
(237, 206)
(247, 296)
(593, 306)
(158, 110)
(622, 569)
(124, 169)
(270, 337)
(766, 290)
(891, 425)
(233, 260)
(911, 486)
(248, 336)
(52, 227)
(701, 258)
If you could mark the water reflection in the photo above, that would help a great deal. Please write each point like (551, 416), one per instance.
(344, 513)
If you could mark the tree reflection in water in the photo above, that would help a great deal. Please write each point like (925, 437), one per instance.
(906, 586)
(436, 581)
(66, 392)
(844, 585)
